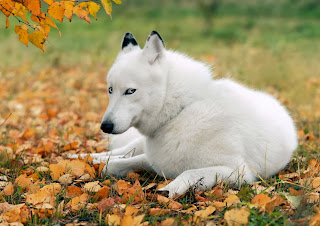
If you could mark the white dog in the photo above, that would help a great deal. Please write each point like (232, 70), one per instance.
(194, 129)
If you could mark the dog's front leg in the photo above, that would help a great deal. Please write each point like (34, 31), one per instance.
(136, 147)
(206, 178)
(122, 166)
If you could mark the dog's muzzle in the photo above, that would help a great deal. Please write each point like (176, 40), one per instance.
(107, 127)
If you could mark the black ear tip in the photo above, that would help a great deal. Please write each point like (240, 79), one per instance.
(156, 33)
(128, 35)
(129, 39)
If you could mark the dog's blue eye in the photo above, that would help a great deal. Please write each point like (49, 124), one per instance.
(110, 90)
(129, 91)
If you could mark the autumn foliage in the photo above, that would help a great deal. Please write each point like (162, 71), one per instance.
(37, 30)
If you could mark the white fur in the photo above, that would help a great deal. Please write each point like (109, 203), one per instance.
(195, 129)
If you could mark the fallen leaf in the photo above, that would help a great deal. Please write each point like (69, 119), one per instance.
(122, 186)
(231, 200)
(8, 190)
(237, 216)
(102, 193)
(113, 219)
(56, 171)
(158, 211)
(73, 191)
(92, 187)
(261, 199)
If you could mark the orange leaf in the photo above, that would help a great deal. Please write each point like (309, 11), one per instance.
(232, 199)
(117, 1)
(73, 191)
(56, 171)
(49, 2)
(7, 6)
(122, 186)
(8, 190)
(261, 199)
(70, 146)
(102, 193)
(68, 5)
(29, 132)
(22, 31)
(37, 38)
(81, 13)
(23, 181)
(7, 22)
(33, 6)
(158, 211)
(56, 11)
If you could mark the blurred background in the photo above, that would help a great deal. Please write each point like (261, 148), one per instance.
(271, 45)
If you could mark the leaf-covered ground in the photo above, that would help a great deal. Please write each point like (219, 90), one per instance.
(57, 112)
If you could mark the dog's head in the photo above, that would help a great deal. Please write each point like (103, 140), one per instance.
(136, 84)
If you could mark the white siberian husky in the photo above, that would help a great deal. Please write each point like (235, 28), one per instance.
(193, 128)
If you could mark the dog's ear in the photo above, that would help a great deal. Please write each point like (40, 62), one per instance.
(128, 43)
(154, 47)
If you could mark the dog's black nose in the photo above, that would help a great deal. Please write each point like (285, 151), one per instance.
(107, 127)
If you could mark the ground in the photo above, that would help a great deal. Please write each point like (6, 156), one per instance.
(52, 104)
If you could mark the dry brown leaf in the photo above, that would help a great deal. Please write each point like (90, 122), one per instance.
(8, 190)
(198, 215)
(167, 222)
(66, 179)
(92, 187)
(105, 204)
(276, 201)
(23, 181)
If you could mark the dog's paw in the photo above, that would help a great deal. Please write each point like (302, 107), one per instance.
(176, 188)
(72, 156)
(116, 167)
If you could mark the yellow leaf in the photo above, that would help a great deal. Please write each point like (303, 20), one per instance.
(107, 5)
(49, 2)
(113, 219)
(20, 11)
(232, 199)
(93, 9)
(81, 13)
(37, 38)
(117, 1)
(56, 171)
(68, 5)
(22, 31)
(56, 11)
(33, 6)
(131, 220)
(237, 216)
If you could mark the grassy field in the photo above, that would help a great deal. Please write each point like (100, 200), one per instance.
(272, 47)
